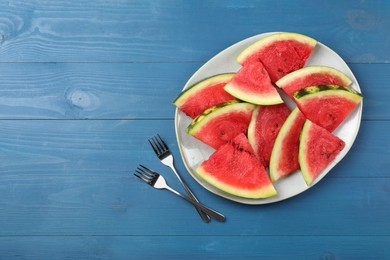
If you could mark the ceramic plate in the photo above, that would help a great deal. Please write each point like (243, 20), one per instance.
(194, 152)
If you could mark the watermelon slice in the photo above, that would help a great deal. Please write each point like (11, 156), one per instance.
(235, 169)
(317, 148)
(264, 127)
(327, 105)
(281, 53)
(204, 94)
(252, 84)
(284, 156)
(312, 76)
(221, 123)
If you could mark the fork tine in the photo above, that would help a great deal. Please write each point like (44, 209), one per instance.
(143, 174)
(163, 144)
(147, 171)
(141, 177)
(147, 175)
(151, 142)
(158, 144)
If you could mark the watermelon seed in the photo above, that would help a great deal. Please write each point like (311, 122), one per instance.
(331, 116)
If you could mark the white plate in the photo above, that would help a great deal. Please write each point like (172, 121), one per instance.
(194, 152)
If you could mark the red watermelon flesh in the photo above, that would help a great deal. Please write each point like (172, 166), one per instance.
(220, 124)
(204, 94)
(235, 169)
(264, 127)
(284, 57)
(253, 84)
(312, 76)
(317, 148)
(281, 53)
(327, 105)
(284, 157)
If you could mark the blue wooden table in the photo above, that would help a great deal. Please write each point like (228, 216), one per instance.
(84, 84)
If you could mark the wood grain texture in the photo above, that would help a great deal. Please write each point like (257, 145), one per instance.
(161, 31)
(93, 91)
(23, 142)
(130, 91)
(204, 247)
(84, 84)
(72, 206)
(73, 177)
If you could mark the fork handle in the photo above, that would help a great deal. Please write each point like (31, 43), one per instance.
(203, 214)
(212, 213)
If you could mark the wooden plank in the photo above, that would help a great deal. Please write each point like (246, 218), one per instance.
(66, 185)
(130, 91)
(68, 145)
(79, 91)
(72, 177)
(121, 205)
(160, 31)
(210, 247)
(372, 80)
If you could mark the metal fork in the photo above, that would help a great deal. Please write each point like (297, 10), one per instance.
(164, 154)
(157, 181)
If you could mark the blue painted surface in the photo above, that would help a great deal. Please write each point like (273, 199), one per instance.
(84, 84)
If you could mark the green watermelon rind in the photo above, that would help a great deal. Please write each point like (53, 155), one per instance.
(189, 92)
(313, 91)
(306, 71)
(303, 163)
(260, 44)
(275, 155)
(253, 98)
(262, 193)
(252, 129)
(209, 114)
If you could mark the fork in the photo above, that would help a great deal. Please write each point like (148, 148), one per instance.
(157, 181)
(164, 154)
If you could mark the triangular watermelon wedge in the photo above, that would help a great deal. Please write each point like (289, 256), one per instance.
(252, 84)
(317, 148)
(204, 94)
(264, 127)
(235, 169)
(281, 53)
(221, 123)
(284, 156)
(312, 76)
(327, 105)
